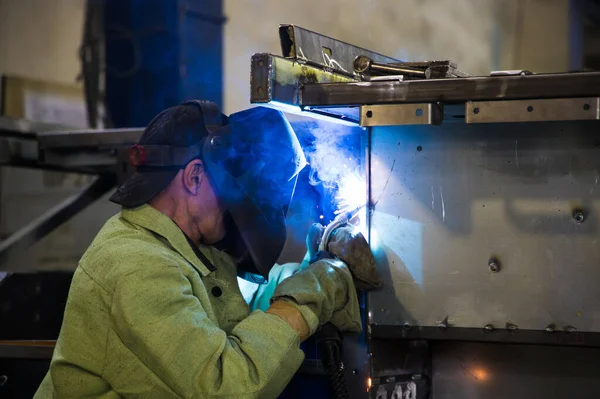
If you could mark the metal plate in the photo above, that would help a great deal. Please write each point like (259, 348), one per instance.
(473, 371)
(450, 198)
(560, 109)
(401, 114)
(326, 52)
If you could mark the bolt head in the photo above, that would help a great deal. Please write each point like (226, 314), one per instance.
(578, 216)
(494, 266)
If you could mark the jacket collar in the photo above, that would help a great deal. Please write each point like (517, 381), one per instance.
(159, 223)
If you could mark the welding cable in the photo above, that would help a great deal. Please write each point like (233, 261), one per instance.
(329, 343)
(339, 221)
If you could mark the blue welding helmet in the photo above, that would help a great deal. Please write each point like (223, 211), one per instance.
(253, 163)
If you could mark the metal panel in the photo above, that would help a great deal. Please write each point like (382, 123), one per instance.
(473, 371)
(559, 109)
(449, 199)
(326, 52)
(453, 90)
(401, 114)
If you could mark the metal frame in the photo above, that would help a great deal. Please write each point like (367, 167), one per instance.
(50, 147)
(504, 97)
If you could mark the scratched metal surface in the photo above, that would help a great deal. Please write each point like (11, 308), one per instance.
(449, 198)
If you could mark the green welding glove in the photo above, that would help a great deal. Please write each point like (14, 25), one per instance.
(323, 292)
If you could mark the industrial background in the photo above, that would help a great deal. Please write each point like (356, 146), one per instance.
(57, 56)
(479, 35)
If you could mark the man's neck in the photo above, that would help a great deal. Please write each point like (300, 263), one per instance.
(178, 216)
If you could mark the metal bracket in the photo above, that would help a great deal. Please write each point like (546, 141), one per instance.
(560, 109)
(401, 114)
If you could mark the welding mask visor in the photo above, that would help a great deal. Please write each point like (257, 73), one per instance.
(253, 163)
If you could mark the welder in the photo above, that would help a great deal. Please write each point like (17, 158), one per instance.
(155, 309)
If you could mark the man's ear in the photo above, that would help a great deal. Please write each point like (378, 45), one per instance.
(193, 175)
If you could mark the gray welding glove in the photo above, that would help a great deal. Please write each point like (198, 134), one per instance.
(350, 246)
(323, 292)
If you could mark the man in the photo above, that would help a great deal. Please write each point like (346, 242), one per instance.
(155, 310)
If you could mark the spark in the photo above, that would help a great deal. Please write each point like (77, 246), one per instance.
(351, 192)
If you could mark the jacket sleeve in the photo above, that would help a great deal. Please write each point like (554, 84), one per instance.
(156, 316)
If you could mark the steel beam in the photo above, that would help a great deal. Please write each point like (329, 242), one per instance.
(322, 51)
(279, 79)
(560, 85)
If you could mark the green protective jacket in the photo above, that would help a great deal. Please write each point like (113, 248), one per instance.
(145, 318)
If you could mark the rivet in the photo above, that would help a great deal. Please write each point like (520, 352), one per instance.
(578, 216)
(488, 328)
(511, 327)
(550, 328)
(407, 326)
(570, 329)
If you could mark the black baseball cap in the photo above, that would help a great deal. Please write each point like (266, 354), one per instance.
(177, 135)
